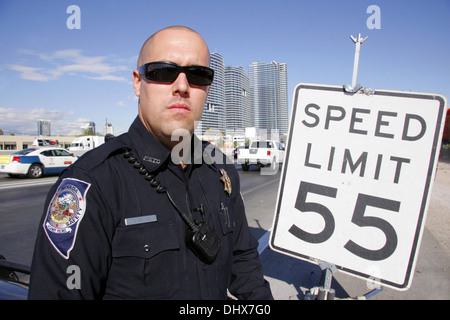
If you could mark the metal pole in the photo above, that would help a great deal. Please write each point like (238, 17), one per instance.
(358, 43)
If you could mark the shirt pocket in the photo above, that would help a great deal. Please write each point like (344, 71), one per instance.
(148, 256)
(144, 240)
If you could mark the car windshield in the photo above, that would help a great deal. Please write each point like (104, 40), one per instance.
(24, 151)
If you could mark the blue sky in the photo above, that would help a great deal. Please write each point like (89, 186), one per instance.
(73, 75)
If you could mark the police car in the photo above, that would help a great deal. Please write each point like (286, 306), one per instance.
(36, 162)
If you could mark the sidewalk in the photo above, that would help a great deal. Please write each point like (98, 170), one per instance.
(291, 278)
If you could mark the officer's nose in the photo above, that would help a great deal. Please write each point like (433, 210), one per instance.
(181, 85)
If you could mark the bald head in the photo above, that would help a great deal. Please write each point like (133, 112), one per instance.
(166, 107)
(169, 34)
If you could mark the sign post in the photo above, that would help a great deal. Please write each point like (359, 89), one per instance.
(358, 42)
(356, 180)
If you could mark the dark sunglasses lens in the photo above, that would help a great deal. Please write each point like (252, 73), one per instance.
(161, 72)
(200, 76)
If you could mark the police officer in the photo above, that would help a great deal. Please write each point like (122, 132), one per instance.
(153, 213)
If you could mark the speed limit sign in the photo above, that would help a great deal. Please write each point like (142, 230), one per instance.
(357, 177)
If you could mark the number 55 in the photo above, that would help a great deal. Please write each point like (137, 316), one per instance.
(358, 218)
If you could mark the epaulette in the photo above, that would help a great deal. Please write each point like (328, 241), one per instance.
(112, 145)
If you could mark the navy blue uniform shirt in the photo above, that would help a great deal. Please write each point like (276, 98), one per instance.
(106, 233)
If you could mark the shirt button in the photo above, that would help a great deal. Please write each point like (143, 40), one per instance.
(146, 248)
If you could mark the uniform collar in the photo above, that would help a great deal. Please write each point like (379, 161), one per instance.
(149, 150)
(153, 154)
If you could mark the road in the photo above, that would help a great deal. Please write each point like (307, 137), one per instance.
(22, 201)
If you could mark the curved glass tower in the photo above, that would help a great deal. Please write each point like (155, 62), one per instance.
(214, 110)
(268, 87)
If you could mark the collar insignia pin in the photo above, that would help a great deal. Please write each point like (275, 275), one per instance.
(226, 181)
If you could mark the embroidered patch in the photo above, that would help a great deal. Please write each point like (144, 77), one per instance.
(64, 214)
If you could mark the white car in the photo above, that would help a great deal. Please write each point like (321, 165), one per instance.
(262, 153)
(36, 162)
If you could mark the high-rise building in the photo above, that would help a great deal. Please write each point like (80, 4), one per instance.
(238, 113)
(108, 128)
(214, 110)
(268, 87)
(44, 127)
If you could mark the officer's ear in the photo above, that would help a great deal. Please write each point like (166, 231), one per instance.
(136, 83)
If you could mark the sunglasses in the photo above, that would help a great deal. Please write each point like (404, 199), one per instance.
(168, 72)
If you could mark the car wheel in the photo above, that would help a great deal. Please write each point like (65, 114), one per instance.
(35, 171)
(245, 167)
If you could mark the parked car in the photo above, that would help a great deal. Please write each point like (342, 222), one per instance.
(261, 153)
(36, 162)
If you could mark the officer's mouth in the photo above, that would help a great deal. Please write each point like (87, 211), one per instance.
(180, 108)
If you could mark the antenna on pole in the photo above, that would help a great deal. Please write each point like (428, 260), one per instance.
(358, 42)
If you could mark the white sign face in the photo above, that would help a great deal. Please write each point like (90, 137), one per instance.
(356, 179)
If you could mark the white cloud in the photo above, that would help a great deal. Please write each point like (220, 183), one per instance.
(24, 121)
(37, 74)
(70, 62)
(109, 77)
(12, 115)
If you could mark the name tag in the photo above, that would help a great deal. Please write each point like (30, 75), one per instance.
(141, 219)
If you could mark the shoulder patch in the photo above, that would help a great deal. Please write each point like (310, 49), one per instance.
(64, 213)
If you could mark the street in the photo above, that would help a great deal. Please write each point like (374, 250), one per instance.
(22, 202)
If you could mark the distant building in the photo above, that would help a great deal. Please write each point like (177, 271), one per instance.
(108, 128)
(268, 86)
(214, 110)
(238, 107)
(16, 143)
(44, 128)
(88, 128)
(238, 100)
